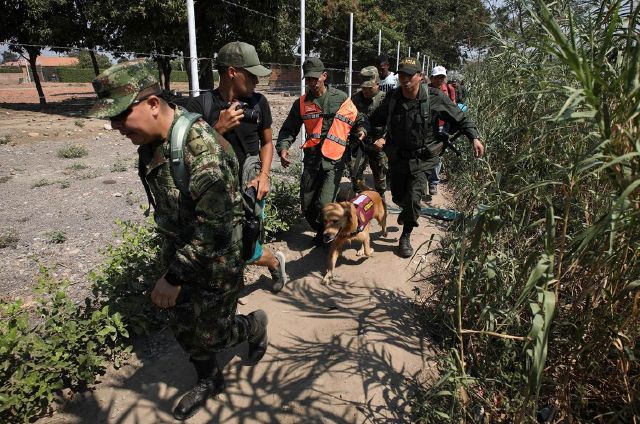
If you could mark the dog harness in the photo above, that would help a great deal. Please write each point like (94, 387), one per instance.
(364, 211)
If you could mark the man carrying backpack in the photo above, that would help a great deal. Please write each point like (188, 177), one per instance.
(190, 174)
(411, 114)
(243, 117)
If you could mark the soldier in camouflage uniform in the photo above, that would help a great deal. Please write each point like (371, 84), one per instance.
(367, 100)
(202, 228)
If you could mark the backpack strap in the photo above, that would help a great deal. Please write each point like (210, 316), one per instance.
(179, 135)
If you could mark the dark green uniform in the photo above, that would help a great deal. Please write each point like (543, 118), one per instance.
(376, 158)
(412, 142)
(201, 250)
(320, 176)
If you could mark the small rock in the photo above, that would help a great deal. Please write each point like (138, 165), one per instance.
(33, 134)
(117, 194)
(45, 134)
(107, 127)
(108, 181)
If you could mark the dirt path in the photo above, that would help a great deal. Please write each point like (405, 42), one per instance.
(345, 353)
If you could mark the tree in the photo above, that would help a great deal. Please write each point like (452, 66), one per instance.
(9, 56)
(268, 26)
(86, 61)
(26, 25)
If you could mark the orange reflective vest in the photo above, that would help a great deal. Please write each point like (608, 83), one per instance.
(336, 139)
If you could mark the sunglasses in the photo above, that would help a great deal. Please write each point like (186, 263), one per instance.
(125, 113)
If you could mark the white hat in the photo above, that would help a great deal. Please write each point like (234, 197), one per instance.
(439, 70)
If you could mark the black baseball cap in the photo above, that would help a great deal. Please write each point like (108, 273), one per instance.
(409, 66)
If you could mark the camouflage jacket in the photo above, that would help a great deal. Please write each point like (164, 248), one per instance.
(201, 246)
(367, 106)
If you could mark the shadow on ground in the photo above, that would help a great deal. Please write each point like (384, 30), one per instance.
(72, 107)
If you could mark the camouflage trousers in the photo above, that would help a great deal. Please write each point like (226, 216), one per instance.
(377, 160)
(205, 320)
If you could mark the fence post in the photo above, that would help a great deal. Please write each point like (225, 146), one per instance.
(193, 51)
(350, 51)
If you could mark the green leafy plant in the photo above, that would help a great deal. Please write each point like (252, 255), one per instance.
(282, 208)
(127, 277)
(72, 152)
(79, 123)
(5, 139)
(65, 184)
(56, 237)
(53, 345)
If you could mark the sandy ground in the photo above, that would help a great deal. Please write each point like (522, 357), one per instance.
(345, 353)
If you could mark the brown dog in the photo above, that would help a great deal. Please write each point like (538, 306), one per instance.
(341, 225)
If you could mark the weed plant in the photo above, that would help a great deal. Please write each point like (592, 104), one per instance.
(72, 152)
(56, 237)
(9, 238)
(42, 182)
(537, 290)
(78, 166)
(282, 208)
(119, 166)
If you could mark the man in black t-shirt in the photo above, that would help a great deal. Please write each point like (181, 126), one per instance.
(226, 109)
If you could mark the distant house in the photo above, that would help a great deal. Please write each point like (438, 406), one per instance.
(47, 61)
(46, 68)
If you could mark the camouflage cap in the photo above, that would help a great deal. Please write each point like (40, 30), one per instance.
(370, 76)
(118, 87)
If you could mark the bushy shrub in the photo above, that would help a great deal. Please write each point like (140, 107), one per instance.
(126, 279)
(72, 152)
(10, 70)
(50, 346)
(282, 208)
(69, 74)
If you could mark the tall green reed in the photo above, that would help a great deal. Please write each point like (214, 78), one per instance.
(540, 293)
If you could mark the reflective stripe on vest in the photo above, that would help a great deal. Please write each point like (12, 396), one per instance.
(311, 115)
(334, 145)
(336, 140)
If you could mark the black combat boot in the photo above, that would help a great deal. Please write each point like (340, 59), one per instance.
(257, 335)
(404, 247)
(210, 383)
